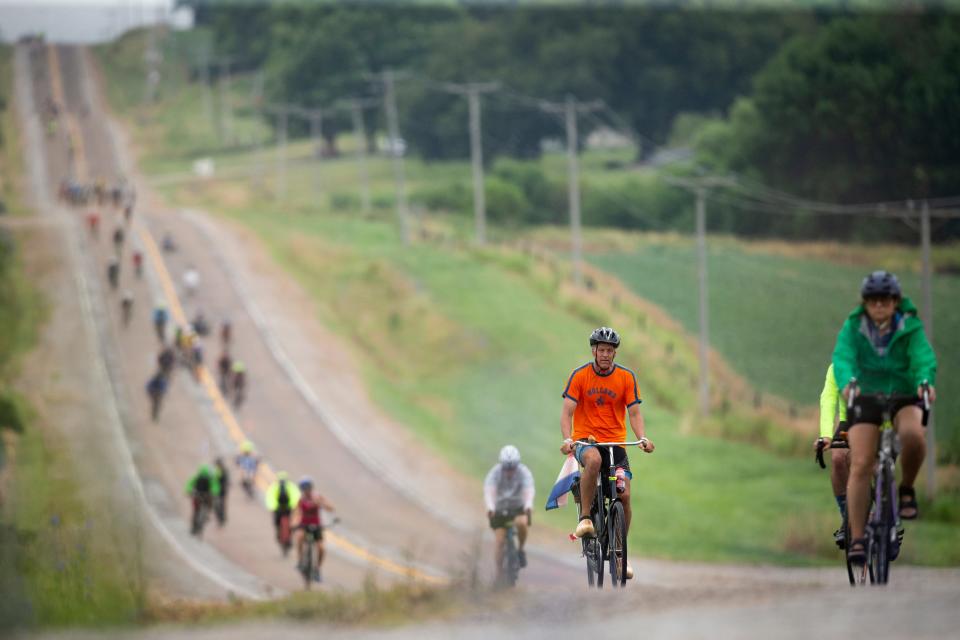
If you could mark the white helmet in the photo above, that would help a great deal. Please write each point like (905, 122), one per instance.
(509, 456)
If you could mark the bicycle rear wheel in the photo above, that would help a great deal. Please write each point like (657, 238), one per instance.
(307, 567)
(617, 545)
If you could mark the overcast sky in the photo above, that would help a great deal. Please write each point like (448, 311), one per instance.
(78, 20)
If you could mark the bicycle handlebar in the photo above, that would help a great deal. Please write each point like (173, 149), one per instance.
(634, 443)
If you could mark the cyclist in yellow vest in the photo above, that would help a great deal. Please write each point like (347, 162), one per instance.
(833, 419)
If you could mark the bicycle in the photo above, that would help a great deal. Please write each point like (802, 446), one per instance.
(510, 562)
(609, 544)
(309, 568)
(284, 533)
(884, 530)
(201, 514)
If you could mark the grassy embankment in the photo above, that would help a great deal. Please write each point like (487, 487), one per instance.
(58, 563)
(472, 348)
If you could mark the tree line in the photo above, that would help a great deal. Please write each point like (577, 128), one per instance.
(827, 105)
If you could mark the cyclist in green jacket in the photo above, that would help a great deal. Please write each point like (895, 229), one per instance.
(833, 419)
(203, 487)
(882, 348)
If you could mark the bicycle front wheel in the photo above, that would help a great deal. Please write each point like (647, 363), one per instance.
(617, 545)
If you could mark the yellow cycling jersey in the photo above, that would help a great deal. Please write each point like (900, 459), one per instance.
(832, 405)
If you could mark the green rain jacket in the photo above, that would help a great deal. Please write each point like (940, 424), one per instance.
(899, 368)
(214, 482)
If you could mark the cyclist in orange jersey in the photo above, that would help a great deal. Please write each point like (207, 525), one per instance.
(594, 402)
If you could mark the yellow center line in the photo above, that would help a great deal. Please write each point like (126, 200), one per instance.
(72, 128)
(265, 475)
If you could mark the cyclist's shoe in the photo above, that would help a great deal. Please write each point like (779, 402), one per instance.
(840, 538)
(908, 503)
(857, 553)
(522, 558)
(897, 544)
(629, 571)
(316, 575)
(585, 528)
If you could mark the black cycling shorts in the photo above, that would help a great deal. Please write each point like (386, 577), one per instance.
(279, 513)
(313, 532)
(868, 409)
(504, 518)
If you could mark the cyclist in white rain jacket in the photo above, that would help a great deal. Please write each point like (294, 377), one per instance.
(508, 492)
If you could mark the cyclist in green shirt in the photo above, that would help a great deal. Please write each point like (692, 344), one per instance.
(833, 419)
(882, 348)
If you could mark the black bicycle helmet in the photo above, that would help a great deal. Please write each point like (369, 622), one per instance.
(880, 284)
(605, 335)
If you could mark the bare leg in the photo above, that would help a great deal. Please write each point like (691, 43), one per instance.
(912, 443)
(520, 523)
(588, 479)
(839, 471)
(862, 438)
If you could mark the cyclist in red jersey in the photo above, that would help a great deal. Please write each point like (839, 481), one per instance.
(308, 524)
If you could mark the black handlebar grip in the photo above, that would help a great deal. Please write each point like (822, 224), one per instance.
(820, 446)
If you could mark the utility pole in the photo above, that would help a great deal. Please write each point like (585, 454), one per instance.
(926, 287)
(205, 78)
(226, 110)
(282, 111)
(316, 135)
(152, 58)
(256, 99)
(570, 108)
(704, 343)
(396, 153)
(698, 186)
(472, 91)
(356, 106)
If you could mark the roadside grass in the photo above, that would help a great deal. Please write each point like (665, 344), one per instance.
(471, 349)
(370, 606)
(62, 568)
(11, 171)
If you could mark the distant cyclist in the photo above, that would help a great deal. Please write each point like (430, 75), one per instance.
(508, 492)
(113, 272)
(118, 239)
(239, 383)
(156, 390)
(226, 332)
(160, 317)
(308, 523)
(166, 359)
(281, 497)
(223, 479)
(225, 372)
(882, 348)
(203, 488)
(137, 258)
(191, 280)
(249, 462)
(833, 419)
(594, 402)
(126, 306)
(93, 224)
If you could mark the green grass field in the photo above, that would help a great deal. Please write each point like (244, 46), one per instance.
(471, 349)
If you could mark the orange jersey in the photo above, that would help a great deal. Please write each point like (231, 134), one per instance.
(602, 401)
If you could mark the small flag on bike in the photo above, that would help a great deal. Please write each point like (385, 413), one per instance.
(569, 473)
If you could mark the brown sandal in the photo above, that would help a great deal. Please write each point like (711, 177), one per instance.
(908, 503)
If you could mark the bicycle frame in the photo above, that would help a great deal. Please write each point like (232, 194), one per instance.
(596, 549)
(883, 528)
